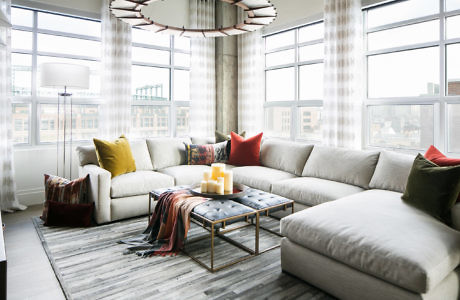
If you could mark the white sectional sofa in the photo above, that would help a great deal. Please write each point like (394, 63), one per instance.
(357, 241)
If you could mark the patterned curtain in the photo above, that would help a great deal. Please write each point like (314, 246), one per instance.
(115, 112)
(202, 71)
(251, 88)
(342, 111)
(8, 199)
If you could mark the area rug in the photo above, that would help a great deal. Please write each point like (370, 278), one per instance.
(89, 264)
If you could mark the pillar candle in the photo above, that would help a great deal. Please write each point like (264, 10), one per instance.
(212, 186)
(204, 186)
(220, 188)
(206, 175)
(228, 181)
(215, 171)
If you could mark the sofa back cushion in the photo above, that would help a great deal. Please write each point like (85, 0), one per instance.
(87, 155)
(167, 152)
(284, 155)
(343, 165)
(141, 155)
(203, 140)
(392, 171)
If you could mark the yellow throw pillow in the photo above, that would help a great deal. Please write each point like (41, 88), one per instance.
(115, 157)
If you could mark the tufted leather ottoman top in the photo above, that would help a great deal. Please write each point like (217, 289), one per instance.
(221, 209)
(258, 199)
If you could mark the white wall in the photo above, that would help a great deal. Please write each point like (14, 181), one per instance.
(30, 164)
(84, 8)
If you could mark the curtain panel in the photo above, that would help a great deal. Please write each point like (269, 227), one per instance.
(115, 111)
(251, 82)
(202, 71)
(8, 197)
(343, 70)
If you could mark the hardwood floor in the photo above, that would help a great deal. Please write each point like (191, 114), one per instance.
(30, 275)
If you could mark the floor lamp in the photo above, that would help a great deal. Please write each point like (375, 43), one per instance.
(64, 76)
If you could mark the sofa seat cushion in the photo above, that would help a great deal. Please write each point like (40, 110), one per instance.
(138, 183)
(259, 177)
(186, 174)
(313, 191)
(377, 233)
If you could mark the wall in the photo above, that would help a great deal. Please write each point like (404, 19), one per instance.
(84, 8)
(291, 13)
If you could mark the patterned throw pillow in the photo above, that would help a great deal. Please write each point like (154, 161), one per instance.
(206, 154)
(63, 195)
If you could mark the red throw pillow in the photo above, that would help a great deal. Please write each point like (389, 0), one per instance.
(65, 214)
(245, 152)
(440, 159)
(67, 202)
(436, 156)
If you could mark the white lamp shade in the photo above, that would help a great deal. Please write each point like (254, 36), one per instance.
(64, 75)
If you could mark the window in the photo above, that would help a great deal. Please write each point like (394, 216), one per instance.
(413, 77)
(294, 83)
(160, 85)
(76, 40)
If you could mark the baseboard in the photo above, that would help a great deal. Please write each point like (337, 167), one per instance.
(31, 196)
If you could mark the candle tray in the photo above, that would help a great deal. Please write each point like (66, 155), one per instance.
(239, 190)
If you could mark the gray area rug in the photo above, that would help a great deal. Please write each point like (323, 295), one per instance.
(89, 264)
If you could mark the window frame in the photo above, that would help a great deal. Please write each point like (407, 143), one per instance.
(295, 104)
(440, 102)
(34, 101)
(172, 104)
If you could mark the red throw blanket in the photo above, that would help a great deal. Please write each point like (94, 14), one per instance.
(168, 226)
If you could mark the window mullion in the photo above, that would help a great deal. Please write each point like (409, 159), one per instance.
(34, 129)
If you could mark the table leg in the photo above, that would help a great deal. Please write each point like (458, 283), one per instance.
(150, 208)
(257, 234)
(212, 247)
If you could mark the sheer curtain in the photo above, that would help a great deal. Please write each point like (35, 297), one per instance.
(343, 68)
(202, 71)
(115, 112)
(8, 199)
(251, 88)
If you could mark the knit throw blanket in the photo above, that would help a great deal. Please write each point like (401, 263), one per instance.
(168, 226)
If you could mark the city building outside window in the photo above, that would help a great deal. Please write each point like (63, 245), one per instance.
(294, 83)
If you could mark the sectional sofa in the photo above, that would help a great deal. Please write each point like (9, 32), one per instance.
(357, 240)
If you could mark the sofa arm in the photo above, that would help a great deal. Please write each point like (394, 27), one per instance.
(99, 191)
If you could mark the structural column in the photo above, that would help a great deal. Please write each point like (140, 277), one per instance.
(226, 71)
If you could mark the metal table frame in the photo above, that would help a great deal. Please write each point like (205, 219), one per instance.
(220, 232)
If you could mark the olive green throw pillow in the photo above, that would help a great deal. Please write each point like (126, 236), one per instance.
(432, 188)
(116, 157)
(220, 137)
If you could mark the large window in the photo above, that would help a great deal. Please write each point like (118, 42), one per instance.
(38, 37)
(160, 85)
(294, 83)
(160, 78)
(413, 74)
